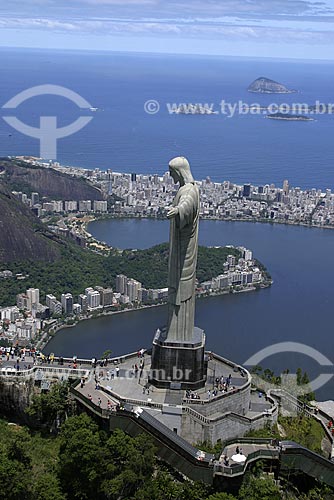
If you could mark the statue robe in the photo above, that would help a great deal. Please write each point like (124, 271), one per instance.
(183, 246)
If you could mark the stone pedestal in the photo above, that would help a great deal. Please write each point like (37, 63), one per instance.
(178, 365)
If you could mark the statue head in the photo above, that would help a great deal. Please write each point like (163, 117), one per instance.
(179, 169)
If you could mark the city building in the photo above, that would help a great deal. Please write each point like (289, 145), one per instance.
(100, 206)
(93, 297)
(85, 206)
(33, 297)
(34, 199)
(121, 282)
(231, 260)
(83, 302)
(67, 303)
(77, 309)
(132, 289)
(106, 296)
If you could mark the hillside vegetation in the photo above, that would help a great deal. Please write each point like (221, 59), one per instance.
(77, 269)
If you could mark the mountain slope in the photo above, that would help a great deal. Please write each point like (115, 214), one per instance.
(22, 236)
(49, 183)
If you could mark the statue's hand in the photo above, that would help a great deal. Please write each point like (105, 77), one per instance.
(172, 212)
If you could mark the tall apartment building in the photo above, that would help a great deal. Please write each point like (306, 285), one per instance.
(34, 198)
(54, 305)
(83, 301)
(93, 299)
(106, 296)
(231, 260)
(121, 281)
(49, 299)
(67, 303)
(85, 206)
(100, 206)
(132, 289)
(23, 301)
(248, 254)
(33, 296)
(71, 206)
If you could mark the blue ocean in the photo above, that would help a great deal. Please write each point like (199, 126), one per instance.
(123, 137)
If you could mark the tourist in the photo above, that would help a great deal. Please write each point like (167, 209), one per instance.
(237, 450)
(209, 394)
(90, 397)
(117, 371)
(99, 402)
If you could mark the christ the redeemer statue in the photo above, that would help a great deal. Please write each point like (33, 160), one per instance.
(178, 351)
(183, 244)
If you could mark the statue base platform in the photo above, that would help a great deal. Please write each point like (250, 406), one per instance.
(178, 364)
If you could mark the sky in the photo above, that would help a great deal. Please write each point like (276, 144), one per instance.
(301, 29)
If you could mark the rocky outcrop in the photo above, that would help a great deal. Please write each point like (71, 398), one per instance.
(15, 396)
(264, 85)
(49, 183)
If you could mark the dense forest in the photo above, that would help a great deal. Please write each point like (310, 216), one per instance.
(78, 268)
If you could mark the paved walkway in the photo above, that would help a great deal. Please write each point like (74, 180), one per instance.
(245, 449)
(124, 380)
(89, 390)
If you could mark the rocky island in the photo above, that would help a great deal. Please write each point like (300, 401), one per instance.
(290, 117)
(264, 85)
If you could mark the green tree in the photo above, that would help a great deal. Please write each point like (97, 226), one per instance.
(261, 487)
(161, 487)
(80, 458)
(106, 354)
(14, 477)
(221, 496)
(128, 466)
(47, 487)
(49, 406)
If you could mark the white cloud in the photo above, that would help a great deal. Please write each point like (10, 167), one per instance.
(220, 28)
